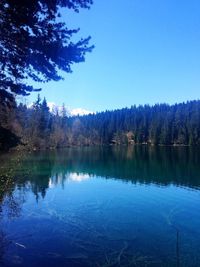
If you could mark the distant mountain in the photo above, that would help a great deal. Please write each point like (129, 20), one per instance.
(70, 112)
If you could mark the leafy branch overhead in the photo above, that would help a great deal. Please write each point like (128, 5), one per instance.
(34, 44)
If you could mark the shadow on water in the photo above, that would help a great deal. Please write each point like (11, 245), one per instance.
(146, 165)
(36, 172)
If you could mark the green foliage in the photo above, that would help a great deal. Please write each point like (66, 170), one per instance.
(39, 128)
(35, 45)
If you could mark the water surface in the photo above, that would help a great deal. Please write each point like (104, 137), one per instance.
(117, 206)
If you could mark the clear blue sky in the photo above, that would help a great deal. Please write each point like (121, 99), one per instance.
(145, 52)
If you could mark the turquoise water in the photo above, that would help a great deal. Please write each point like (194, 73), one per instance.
(137, 206)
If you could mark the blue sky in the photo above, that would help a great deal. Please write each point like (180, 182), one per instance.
(145, 52)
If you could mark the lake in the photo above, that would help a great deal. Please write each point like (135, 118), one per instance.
(111, 206)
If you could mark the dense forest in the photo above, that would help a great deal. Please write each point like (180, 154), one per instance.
(36, 46)
(36, 127)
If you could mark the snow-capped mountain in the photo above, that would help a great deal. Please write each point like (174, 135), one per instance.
(70, 112)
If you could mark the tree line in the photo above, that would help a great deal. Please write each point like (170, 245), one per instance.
(36, 127)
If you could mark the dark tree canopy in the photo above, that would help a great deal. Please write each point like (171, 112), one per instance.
(34, 44)
(161, 124)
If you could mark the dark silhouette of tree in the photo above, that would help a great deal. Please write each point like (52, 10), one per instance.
(8, 139)
(35, 44)
(162, 124)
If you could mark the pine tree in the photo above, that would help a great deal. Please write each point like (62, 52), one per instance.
(35, 45)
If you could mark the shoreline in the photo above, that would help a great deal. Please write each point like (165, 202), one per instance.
(26, 148)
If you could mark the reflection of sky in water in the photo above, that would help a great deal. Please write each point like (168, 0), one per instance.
(104, 220)
(74, 177)
(78, 177)
(103, 208)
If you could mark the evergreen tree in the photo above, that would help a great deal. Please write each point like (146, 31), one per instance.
(39, 128)
(35, 45)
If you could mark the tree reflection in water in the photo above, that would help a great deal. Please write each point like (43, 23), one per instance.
(37, 172)
(10, 207)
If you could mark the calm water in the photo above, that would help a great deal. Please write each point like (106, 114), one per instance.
(135, 206)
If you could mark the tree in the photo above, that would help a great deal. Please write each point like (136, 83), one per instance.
(34, 44)
(44, 119)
